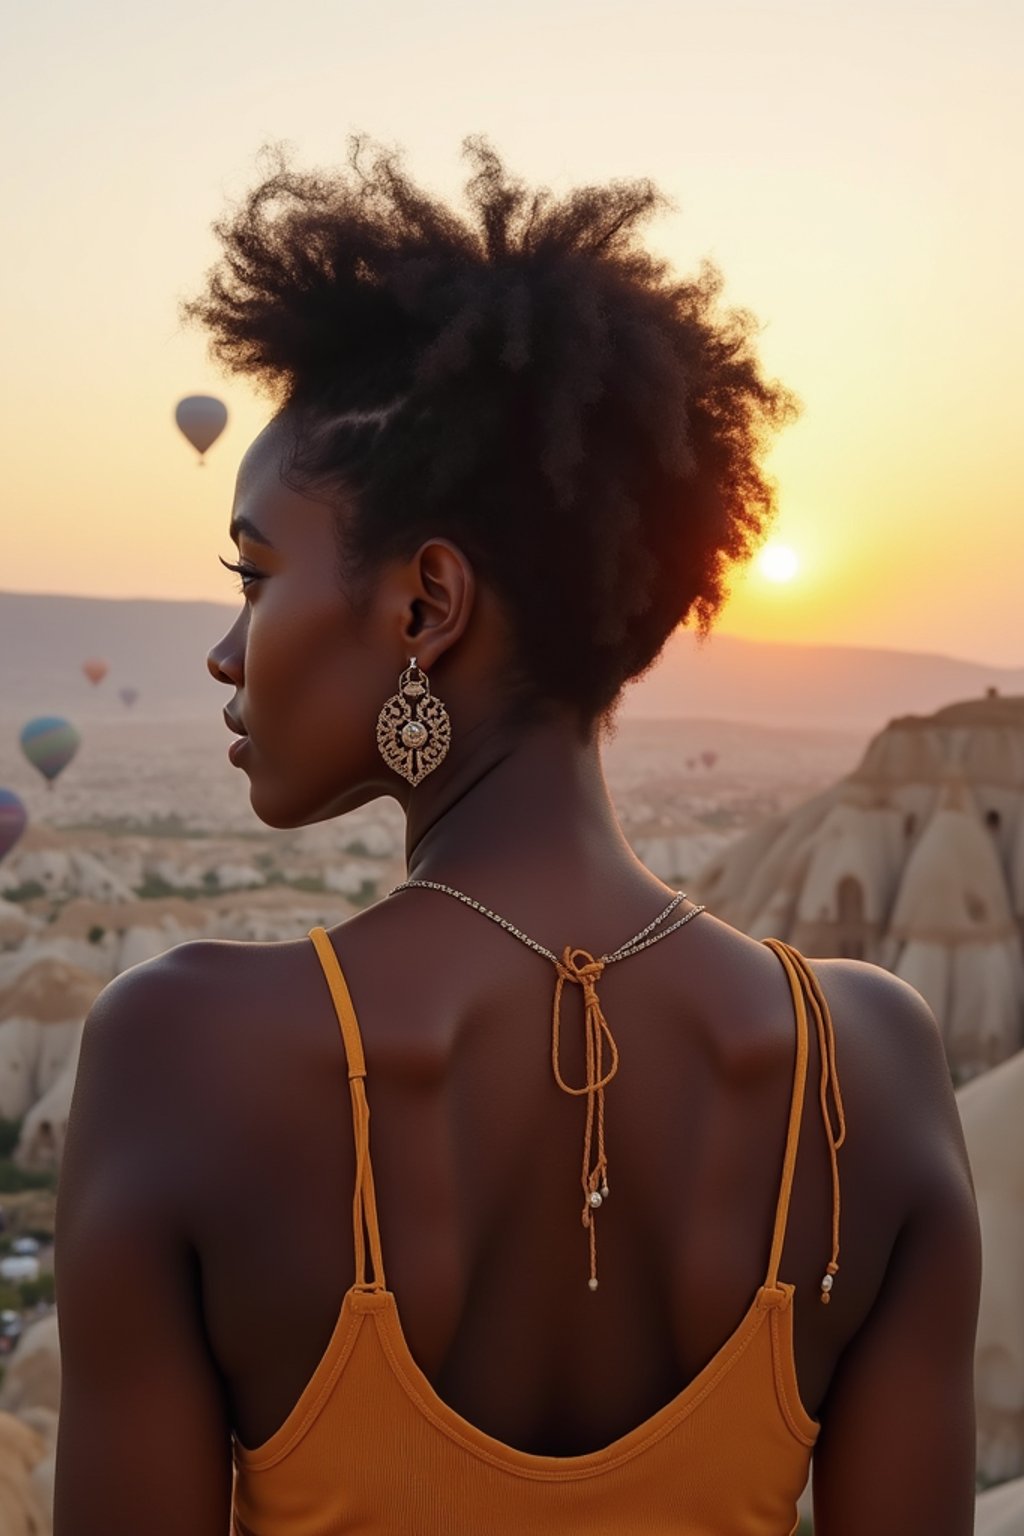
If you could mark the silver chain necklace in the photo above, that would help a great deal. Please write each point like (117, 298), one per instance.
(639, 941)
(578, 966)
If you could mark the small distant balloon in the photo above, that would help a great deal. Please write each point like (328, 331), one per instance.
(13, 817)
(95, 670)
(128, 696)
(709, 759)
(202, 419)
(50, 743)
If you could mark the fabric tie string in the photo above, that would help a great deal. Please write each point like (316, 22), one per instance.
(833, 1113)
(579, 967)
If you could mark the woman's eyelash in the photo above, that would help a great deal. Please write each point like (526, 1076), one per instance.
(245, 572)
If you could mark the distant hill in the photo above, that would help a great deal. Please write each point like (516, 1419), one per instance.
(160, 648)
(157, 647)
(827, 686)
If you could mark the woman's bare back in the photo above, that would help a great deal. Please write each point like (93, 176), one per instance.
(477, 1154)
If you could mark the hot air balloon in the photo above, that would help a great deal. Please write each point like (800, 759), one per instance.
(202, 418)
(95, 670)
(128, 696)
(709, 759)
(13, 817)
(50, 743)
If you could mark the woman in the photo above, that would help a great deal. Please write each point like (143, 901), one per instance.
(511, 453)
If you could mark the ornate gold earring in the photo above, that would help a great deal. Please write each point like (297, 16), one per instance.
(413, 729)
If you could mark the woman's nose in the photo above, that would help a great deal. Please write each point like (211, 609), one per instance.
(225, 660)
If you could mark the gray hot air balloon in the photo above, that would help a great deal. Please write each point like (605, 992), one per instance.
(202, 419)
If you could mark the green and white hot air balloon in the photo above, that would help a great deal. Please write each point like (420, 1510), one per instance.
(50, 742)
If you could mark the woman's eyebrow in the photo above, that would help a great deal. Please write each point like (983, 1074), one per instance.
(240, 525)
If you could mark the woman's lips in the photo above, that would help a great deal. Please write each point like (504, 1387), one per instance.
(235, 725)
(237, 747)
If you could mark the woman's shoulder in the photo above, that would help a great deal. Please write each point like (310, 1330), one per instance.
(197, 1018)
(895, 1082)
(883, 1025)
(885, 1029)
(200, 972)
(182, 990)
(208, 1048)
(879, 1012)
(207, 996)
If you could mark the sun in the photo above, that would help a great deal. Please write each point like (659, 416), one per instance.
(777, 562)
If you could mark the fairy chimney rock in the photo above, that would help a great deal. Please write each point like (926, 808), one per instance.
(914, 862)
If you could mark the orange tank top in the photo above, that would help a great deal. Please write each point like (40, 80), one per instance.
(370, 1447)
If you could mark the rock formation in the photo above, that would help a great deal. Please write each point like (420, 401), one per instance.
(991, 1112)
(24, 1505)
(1000, 1511)
(29, 1400)
(914, 862)
(42, 1011)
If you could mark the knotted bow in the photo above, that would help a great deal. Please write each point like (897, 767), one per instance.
(580, 967)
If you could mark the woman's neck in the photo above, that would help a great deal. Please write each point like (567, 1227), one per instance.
(534, 803)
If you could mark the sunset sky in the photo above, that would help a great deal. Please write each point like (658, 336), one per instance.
(853, 169)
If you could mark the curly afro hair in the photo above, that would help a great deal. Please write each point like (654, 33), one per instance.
(525, 380)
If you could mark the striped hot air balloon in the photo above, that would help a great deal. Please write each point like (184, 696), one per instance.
(13, 817)
(50, 743)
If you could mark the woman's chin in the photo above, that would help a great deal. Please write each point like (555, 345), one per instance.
(283, 805)
(275, 809)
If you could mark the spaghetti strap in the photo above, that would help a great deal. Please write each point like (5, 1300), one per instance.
(807, 993)
(364, 1202)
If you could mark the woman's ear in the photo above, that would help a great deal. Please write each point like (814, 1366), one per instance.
(444, 591)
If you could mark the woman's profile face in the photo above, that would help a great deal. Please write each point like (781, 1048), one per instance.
(309, 672)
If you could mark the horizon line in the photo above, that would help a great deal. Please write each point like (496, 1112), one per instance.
(723, 634)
